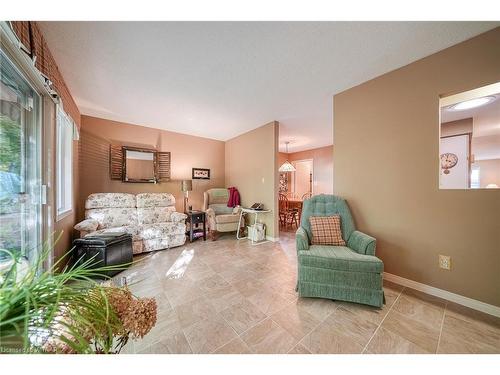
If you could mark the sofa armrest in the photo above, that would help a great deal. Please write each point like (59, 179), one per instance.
(236, 210)
(301, 239)
(362, 243)
(87, 225)
(177, 217)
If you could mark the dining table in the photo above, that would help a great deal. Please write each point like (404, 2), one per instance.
(296, 203)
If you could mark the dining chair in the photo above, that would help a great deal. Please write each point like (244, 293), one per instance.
(287, 215)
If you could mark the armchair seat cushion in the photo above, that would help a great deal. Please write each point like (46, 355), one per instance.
(226, 219)
(221, 208)
(339, 258)
(161, 230)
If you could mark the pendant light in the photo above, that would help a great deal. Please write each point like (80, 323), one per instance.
(287, 166)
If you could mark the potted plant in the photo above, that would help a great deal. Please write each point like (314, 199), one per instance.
(64, 309)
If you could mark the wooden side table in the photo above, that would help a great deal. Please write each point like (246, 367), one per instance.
(195, 218)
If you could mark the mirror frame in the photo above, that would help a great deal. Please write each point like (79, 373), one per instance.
(154, 180)
(450, 99)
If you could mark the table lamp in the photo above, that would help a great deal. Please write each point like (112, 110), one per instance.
(186, 187)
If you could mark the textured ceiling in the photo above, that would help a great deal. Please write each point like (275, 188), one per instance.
(221, 79)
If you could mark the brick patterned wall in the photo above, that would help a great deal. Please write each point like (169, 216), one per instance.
(46, 64)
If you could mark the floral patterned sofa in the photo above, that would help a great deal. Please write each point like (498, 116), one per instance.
(150, 218)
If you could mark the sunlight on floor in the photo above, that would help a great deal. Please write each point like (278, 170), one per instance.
(180, 265)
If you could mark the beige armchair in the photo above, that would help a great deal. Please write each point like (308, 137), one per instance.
(220, 217)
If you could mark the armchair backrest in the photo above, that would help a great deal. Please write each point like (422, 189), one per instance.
(327, 205)
(217, 199)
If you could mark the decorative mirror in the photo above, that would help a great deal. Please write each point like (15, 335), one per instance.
(469, 143)
(139, 165)
(135, 164)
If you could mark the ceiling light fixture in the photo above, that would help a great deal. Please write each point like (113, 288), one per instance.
(473, 103)
(287, 166)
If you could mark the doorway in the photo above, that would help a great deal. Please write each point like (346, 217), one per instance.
(302, 178)
(20, 164)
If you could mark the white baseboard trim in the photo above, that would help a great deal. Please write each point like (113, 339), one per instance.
(444, 294)
(272, 239)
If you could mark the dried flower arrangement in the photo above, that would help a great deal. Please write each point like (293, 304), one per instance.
(68, 311)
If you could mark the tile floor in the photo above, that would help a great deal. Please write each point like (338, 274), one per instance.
(230, 297)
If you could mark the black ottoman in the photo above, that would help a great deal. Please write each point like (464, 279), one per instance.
(108, 249)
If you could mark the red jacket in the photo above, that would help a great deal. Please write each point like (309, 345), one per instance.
(234, 197)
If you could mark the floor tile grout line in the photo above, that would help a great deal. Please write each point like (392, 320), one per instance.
(189, 344)
(321, 322)
(382, 321)
(442, 325)
(238, 335)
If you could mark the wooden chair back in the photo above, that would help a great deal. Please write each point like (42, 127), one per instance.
(283, 203)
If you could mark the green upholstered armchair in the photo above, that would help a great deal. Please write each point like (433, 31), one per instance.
(349, 273)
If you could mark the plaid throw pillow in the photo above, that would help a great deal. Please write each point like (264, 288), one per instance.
(326, 230)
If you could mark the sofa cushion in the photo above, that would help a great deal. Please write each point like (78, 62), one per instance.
(151, 215)
(339, 258)
(326, 230)
(226, 219)
(155, 200)
(110, 200)
(87, 225)
(221, 208)
(160, 230)
(130, 229)
(112, 217)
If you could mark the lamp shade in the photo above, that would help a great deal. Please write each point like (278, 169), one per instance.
(287, 167)
(186, 185)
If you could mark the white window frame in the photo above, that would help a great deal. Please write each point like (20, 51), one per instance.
(64, 164)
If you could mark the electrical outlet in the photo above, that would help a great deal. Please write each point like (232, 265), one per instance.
(445, 262)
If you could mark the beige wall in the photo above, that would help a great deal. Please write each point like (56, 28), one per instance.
(489, 172)
(386, 135)
(322, 167)
(186, 152)
(282, 157)
(252, 166)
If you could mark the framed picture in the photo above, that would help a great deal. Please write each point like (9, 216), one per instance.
(201, 174)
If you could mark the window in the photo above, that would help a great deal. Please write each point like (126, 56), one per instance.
(64, 163)
(475, 182)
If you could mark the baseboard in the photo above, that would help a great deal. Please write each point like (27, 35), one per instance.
(444, 294)
(272, 239)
